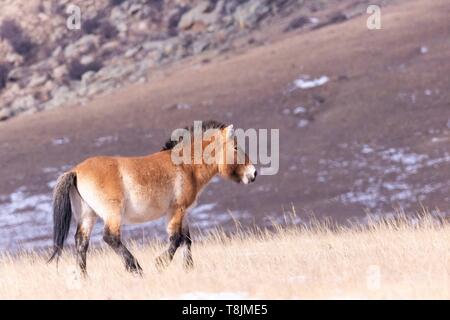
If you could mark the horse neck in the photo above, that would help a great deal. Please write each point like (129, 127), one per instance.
(204, 173)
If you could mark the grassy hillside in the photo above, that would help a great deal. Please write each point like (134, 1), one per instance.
(387, 260)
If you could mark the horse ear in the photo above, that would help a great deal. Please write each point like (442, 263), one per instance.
(229, 131)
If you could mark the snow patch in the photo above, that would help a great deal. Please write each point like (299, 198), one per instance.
(60, 141)
(105, 140)
(202, 209)
(51, 184)
(183, 106)
(215, 179)
(302, 123)
(366, 149)
(424, 50)
(25, 216)
(307, 83)
(299, 110)
(387, 176)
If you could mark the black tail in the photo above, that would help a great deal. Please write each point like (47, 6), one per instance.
(62, 212)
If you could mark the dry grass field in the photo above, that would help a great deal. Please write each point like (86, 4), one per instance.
(388, 260)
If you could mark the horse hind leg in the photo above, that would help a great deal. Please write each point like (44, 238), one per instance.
(82, 236)
(86, 219)
(111, 236)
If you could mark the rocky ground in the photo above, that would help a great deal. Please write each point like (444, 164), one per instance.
(44, 64)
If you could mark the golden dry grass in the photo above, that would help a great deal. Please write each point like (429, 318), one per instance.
(386, 261)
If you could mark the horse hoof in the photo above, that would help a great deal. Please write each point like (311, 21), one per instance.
(188, 265)
(137, 273)
(161, 263)
(135, 270)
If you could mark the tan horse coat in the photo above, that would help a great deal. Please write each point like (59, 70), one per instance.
(133, 190)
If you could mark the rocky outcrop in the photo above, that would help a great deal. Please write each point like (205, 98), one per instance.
(44, 64)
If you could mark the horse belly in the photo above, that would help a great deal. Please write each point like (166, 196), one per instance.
(146, 198)
(141, 212)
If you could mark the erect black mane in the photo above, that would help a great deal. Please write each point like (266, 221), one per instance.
(210, 124)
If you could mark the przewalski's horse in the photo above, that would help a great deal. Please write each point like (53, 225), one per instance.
(133, 190)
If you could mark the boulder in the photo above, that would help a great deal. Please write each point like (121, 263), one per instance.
(132, 51)
(23, 103)
(135, 8)
(201, 45)
(57, 52)
(201, 13)
(297, 23)
(60, 72)
(61, 95)
(249, 14)
(18, 74)
(5, 114)
(81, 46)
(87, 59)
(174, 19)
(88, 77)
(14, 58)
(37, 80)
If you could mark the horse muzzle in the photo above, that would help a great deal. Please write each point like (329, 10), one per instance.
(249, 175)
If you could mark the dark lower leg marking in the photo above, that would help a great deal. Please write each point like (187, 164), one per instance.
(188, 262)
(82, 245)
(113, 240)
(163, 260)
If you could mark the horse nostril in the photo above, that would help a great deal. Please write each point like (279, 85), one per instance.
(254, 176)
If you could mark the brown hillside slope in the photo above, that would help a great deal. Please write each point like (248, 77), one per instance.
(377, 135)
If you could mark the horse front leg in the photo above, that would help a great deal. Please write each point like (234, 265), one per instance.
(188, 261)
(111, 235)
(174, 229)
